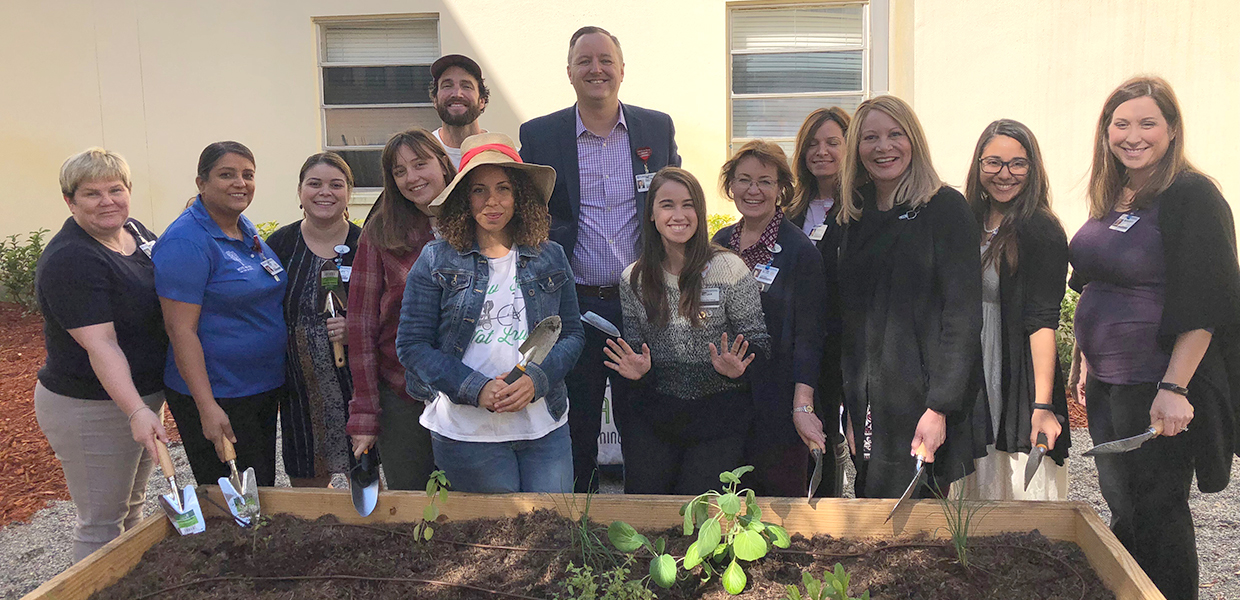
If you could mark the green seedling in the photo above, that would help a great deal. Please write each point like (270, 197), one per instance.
(437, 491)
(960, 513)
(833, 586)
(614, 584)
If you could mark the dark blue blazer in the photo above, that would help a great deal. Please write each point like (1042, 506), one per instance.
(551, 140)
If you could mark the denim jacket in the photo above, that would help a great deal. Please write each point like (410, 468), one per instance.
(443, 299)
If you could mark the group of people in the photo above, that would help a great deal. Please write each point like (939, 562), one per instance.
(859, 307)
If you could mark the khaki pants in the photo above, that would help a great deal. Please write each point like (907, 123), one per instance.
(106, 470)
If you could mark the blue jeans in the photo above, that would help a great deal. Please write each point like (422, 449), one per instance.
(543, 465)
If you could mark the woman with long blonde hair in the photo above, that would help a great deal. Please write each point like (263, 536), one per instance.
(911, 290)
(1160, 300)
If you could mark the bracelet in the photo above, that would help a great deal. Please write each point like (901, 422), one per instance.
(138, 410)
(1173, 388)
(1041, 406)
(808, 408)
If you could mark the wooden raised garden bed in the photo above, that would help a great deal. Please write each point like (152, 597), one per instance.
(1066, 521)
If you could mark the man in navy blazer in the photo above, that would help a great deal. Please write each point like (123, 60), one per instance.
(604, 154)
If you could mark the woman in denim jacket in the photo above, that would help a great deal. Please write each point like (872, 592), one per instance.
(470, 300)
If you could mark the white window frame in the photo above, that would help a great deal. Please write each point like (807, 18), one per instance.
(364, 195)
(874, 55)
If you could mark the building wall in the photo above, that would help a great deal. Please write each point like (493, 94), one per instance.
(157, 81)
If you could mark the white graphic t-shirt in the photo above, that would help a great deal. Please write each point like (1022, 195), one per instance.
(501, 328)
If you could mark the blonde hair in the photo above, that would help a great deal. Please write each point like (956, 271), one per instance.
(918, 183)
(1108, 175)
(93, 164)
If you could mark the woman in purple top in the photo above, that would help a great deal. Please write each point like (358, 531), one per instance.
(1160, 297)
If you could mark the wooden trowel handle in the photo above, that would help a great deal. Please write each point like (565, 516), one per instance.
(921, 451)
(1158, 427)
(229, 452)
(338, 350)
(165, 460)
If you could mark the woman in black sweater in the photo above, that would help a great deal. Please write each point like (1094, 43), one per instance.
(789, 271)
(1024, 267)
(1156, 324)
(911, 289)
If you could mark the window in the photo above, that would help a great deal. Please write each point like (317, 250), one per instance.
(787, 61)
(375, 75)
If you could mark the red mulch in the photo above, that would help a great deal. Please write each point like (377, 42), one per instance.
(30, 475)
(1076, 415)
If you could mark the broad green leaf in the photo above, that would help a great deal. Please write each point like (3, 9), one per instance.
(753, 524)
(692, 557)
(778, 535)
(624, 537)
(720, 550)
(430, 513)
(659, 545)
(663, 570)
(687, 510)
(813, 587)
(710, 534)
(749, 545)
(428, 533)
(701, 512)
(751, 506)
(730, 504)
(793, 593)
(740, 471)
(443, 495)
(728, 477)
(432, 487)
(734, 579)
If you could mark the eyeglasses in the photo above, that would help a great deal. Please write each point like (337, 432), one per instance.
(743, 185)
(992, 165)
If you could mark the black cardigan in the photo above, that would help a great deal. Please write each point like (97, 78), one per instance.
(1030, 300)
(911, 290)
(1203, 292)
(830, 391)
(793, 314)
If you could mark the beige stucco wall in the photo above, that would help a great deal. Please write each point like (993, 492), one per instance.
(157, 81)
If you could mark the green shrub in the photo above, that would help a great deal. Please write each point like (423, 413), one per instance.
(582, 584)
(718, 221)
(17, 265)
(266, 228)
(1065, 336)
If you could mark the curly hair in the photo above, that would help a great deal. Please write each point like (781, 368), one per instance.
(530, 222)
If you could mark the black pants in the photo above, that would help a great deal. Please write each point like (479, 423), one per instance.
(779, 468)
(253, 420)
(1146, 489)
(680, 446)
(586, 384)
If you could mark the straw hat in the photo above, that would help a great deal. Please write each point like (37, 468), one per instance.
(495, 149)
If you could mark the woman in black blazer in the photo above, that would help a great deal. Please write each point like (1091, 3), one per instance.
(789, 271)
(911, 290)
(1024, 267)
(814, 207)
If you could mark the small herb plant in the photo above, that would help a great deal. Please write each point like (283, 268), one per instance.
(732, 534)
(614, 584)
(437, 491)
(833, 586)
(266, 228)
(960, 513)
(17, 267)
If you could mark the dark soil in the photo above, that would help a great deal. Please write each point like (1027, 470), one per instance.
(358, 556)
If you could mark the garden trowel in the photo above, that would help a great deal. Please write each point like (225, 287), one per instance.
(816, 478)
(364, 484)
(329, 283)
(593, 319)
(1127, 444)
(535, 348)
(180, 506)
(908, 492)
(1035, 459)
(240, 491)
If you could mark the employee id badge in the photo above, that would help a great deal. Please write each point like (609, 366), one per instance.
(1125, 222)
(146, 248)
(765, 274)
(816, 233)
(273, 267)
(711, 297)
(643, 181)
(345, 273)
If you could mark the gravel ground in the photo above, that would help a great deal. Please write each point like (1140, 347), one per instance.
(34, 552)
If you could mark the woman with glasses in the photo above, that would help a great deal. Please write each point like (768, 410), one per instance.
(789, 272)
(692, 312)
(1160, 301)
(911, 289)
(1024, 265)
(314, 411)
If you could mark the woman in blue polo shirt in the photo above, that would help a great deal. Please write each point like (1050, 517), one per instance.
(221, 289)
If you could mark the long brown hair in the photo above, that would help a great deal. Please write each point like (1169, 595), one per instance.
(395, 224)
(1033, 199)
(805, 189)
(529, 225)
(1108, 175)
(919, 182)
(647, 276)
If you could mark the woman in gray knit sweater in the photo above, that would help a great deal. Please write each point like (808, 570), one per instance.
(694, 312)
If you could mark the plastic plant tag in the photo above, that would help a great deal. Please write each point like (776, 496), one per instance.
(190, 521)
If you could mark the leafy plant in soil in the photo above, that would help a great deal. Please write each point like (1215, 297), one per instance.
(437, 491)
(960, 513)
(614, 584)
(734, 533)
(17, 267)
(833, 586)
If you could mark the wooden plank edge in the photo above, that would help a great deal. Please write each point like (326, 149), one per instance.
(106, 565)
(1110, 560)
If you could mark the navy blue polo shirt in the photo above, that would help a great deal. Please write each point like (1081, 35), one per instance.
(241, 326)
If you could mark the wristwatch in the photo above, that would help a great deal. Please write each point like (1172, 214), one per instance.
(808, 408)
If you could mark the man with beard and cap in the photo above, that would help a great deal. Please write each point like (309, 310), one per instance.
(460, 96)
(604, 153)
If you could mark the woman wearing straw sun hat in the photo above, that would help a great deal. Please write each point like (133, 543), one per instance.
(470, 300)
